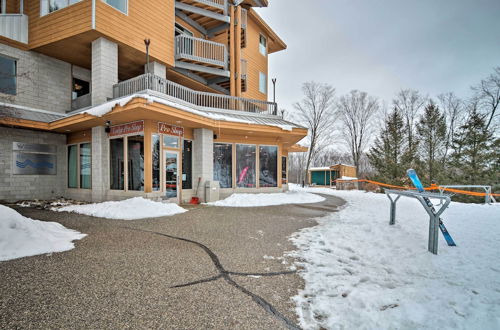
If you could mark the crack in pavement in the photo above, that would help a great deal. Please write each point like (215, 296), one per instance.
(224, 274)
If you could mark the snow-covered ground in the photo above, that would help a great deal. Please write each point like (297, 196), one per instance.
(361, 273)
(254, 200)
(129, 209)
(22, 237)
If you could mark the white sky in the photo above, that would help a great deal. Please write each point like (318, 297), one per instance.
(382, 46)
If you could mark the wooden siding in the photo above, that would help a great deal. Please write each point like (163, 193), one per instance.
(79, 137)
(59, 25)
(152, 20)
(256, 61)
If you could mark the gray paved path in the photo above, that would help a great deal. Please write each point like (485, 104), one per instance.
(139, 274)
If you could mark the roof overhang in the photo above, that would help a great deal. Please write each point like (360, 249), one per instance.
(275, 43)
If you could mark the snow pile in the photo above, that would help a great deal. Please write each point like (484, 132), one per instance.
(263, 199)
(361, 273)
(22, 237)
(348, 178)
(130, 209)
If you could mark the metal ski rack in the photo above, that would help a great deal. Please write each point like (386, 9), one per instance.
(433, 216)
(488, 197)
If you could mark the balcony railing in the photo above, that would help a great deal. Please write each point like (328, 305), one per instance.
(200, 50)
(14, 26)
(195, 99)
(81, 102)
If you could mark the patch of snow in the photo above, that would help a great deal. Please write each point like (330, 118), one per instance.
(266, 199)
(268, 257)
(348, 178)
(362, 273)
(325, 168)
(23, 237)
(130, 209)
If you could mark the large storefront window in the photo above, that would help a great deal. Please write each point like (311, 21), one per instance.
(135, 146)
(170, 141)
(117, 177)
(268, 163)
(245, 165)
(85, 166)
(73, 166)
(156, 162)
(283, 170)
(223, 164)
(187, 165)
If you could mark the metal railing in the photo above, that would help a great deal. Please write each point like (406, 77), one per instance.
(202, 100)
(14, 26)
(220, 4)
(200, 50)
(244, 69)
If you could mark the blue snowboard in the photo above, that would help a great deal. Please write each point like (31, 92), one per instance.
(412, 174)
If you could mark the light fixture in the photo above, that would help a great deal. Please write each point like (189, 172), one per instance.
(107, 128)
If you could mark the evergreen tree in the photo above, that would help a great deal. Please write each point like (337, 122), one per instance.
(387, 153)
(431, 130)
(475, 156)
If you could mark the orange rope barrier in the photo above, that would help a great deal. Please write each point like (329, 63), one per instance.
(432, 187)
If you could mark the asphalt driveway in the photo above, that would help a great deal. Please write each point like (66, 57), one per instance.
(209, 268)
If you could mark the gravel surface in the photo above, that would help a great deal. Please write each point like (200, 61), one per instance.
(122, 275)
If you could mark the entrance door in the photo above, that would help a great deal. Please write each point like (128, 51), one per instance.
(171, 175)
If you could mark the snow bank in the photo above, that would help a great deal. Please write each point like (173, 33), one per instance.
(22, 237)
(361, 273)
(263, 199)
(130, 209)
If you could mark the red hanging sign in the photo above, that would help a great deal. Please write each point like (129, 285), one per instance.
(128, 128)
(170, 129)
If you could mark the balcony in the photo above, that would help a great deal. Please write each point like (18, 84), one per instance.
(200, 55)
(81, 102)
(194, 99)
(14, 26)
(207, 16)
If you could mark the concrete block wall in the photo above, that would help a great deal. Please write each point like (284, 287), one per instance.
(100, 164)
(104, 69)
(43, 82)
(203, 158)
(157, 69)
(19, 187)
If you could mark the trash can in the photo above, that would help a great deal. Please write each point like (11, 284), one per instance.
(212, 191)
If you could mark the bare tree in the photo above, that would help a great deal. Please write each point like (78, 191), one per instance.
(453, 109)
(357, 111)
(410, 103)
(316, 110)
(488, 94)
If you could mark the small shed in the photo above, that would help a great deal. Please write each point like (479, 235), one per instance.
(323, 176)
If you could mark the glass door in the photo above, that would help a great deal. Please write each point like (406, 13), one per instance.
(171, 175)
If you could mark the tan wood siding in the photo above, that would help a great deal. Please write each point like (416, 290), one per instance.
(61, 24)
(152, 20)
(79, 137)
(256, 61)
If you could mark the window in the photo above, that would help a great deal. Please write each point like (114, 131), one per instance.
(80, 166)
(223, 164)
(263, 45)
(85, 166)
(116, 161)
(262, 83)
(156, 162)
(268, 163)
(121, 5)
(8, 73)
(73, 166)
(49, 6)
(187, 165)
(80, 88)
(283, 170)
(245, 165)
(170, 141)
(135, 161)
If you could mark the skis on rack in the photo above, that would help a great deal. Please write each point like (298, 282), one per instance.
(412, 174)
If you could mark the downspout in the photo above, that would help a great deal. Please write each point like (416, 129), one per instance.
(93, 14)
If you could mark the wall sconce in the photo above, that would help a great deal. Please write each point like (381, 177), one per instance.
(107, 129)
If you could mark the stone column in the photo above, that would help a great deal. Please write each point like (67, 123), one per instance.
(157, 69)
(100, 164)
(203, 158)
(104, 70)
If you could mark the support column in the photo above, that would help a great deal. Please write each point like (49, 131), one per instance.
(157, 69)
(237, 50)
(203, 158)
(100, 164)
(232, 41)
(104, 70)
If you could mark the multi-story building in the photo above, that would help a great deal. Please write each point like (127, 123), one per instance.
(109, 99)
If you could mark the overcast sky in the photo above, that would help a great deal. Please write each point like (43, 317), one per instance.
(381, 46)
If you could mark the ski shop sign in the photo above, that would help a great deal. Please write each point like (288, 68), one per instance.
(34, 159)
(127, 129)
(164, 128)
